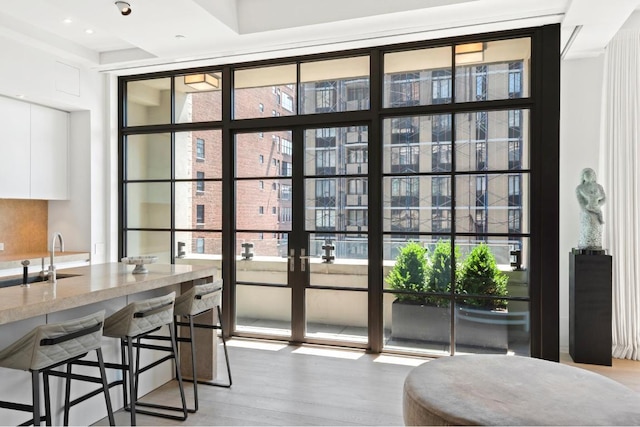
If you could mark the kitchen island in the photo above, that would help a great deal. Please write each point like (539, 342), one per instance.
(92, 288)
(92, 284)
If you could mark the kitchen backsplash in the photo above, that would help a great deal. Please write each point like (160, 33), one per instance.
(23, 226)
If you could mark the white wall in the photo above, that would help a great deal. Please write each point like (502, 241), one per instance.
(88, 219)
(580, 99)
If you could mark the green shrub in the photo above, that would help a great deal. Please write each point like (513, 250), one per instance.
(410, 272)
(440, 271)
(479, 275)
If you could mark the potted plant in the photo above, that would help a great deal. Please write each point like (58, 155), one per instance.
(482, 321)
(421, 317)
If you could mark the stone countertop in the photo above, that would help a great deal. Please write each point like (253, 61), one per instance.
(93, 284)
(35, 259)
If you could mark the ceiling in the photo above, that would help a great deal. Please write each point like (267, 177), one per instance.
(161, 34)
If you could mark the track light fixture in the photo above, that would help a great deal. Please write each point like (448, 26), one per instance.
(123, 7)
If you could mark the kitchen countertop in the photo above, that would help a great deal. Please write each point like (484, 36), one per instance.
(93, 284)
(35, 258)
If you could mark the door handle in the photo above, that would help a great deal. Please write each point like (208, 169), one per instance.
(303, 259)
(292, 259)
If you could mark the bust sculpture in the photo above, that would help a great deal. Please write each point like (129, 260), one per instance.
(591, 197)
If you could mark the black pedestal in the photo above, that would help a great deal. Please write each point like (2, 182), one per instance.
(590, 308)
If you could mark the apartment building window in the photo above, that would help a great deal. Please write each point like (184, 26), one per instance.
(357, 218)
(326, 161)
(357, 155)
(261, 107)
(481, 155)
(515, 220)
(260, 159)
(200, 182)
(261, 185)
(481, 224)
(405, 192)
(274, 210)
(285, 192)
(514, 190)
(261, 210)
(481, 191)
(481, 83)
(325, 97)
(357, 186)
(515, 139)
(285, 214)
(441, 86)
(405, 220)
(287, 102)
(441, 191)
(325, 219)
(515, 79)
(440, 221)
(199, 149)
(325, 192)
(287, 168)
(199, 245)
(287, 147)
(200, 214)
(405, 89)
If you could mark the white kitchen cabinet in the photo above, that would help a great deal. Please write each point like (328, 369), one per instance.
(15, 168)
(49, 153)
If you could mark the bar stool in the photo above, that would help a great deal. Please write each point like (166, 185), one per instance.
(49, 346)
(137, 321)
(196, 301)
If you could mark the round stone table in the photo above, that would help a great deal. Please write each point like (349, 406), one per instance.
(513, 390)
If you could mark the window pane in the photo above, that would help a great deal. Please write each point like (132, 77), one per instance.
(198, 151)
(148, 205)
(262, 309)
(336, 204)
(269, 263)
(188, 198)
(334, 85)
(254, 206)
(198, 97)
(150, 243)
(148, 156)
(417, 204)
(337, 315)
(492, 140)
(192, 246)
(264, 92)
(345, 247)
(417, 77)
(417, 144)
(148, 102)
(492, 203)
(493, 70)
(336, 151)
(257, 155)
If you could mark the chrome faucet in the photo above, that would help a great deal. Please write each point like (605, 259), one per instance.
(52, 267)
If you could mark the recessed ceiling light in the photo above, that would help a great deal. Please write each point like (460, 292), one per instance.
(88, 31)
(68, 21)
(21, 96)
(180, 36)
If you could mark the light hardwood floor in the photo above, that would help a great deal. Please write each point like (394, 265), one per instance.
(278, 384)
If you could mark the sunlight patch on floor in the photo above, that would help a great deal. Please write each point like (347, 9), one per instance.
(400, 360)
(329, 352)
(257, 345)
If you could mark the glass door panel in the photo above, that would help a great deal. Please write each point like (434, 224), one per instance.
(336, 222)
(263, 206)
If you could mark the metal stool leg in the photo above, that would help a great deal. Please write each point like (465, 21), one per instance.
(67, 394)
(174, 345)
(47, 398)
(132, 378)
(35, 394)
(105, 388)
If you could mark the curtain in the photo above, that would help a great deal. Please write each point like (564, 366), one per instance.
(620, 177)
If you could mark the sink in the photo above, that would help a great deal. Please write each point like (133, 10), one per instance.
(31, 279)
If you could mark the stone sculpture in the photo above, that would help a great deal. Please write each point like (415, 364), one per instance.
(591, 197)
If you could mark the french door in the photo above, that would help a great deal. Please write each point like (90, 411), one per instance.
(301, 203)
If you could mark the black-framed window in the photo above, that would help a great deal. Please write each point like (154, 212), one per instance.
(200, 149)
(522, 91)
(200, 182)
(200, 214)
